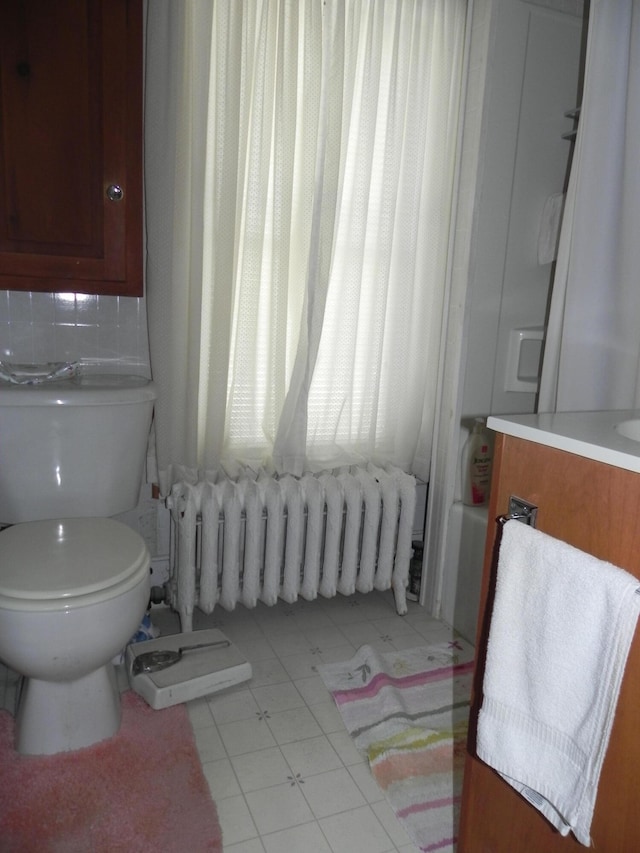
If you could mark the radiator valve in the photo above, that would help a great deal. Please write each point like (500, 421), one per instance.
(158, 595)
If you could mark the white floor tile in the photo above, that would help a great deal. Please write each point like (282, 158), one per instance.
(235, 820)
(325, 637)
(303, 665)
(290, 643)
(314, 755)
(335, 654)
(407, 641)
(361, 632)
(278, 808)
(254, 649)
(370, 789)
(328, 716)
(275, 622)
(234, 705)
(383, 645)
(332, 792)
(357, 831)
(278, 697)
(261, 769)
(254, 845)
(312, 689)
(395, 627)
(268, 671)
(307, 838)
(246, 736)
(433, 631)
(296, 724)
(200, 714)
(343, 745)
(312, 615)
(221, 779)
(209, 744)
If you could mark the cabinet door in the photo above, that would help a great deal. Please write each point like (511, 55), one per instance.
(594, 507)
(71, 146)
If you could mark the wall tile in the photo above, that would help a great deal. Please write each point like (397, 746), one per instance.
(102, 331)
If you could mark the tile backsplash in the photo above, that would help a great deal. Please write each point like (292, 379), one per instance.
(101, 331)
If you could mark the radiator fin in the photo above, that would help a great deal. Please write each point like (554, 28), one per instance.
(257, 537)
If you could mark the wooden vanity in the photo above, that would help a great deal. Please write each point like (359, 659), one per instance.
(585, 480)
(71, 216)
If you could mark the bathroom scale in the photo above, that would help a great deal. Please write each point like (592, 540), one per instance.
(173, 669)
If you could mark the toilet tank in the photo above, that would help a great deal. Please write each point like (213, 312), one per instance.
(74, 447)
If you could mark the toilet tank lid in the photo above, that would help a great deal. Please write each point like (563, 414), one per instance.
(85, 390)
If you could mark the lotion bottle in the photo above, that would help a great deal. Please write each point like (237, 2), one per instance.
(476, 465)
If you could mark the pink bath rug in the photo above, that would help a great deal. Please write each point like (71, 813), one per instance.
(407, 712)
(141, 790)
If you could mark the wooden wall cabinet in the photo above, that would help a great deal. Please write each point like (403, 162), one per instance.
(595, 507)
(71, 146)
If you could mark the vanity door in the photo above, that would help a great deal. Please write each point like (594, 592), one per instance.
(596, 508)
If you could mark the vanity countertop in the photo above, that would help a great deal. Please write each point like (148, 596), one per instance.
(589, 434)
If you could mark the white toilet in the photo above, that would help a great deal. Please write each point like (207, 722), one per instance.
(74, 583)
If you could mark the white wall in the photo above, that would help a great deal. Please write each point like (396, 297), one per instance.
(531, 80)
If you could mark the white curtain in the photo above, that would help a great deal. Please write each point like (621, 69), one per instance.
(300, 160)
(592, 352)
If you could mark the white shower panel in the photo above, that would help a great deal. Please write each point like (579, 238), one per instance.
(532, 80)
(549, 79)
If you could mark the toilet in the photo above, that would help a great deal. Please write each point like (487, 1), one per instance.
(74, 582)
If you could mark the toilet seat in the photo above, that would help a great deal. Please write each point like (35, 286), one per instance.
(65, 563)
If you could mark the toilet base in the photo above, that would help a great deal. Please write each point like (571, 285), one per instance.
(58, 716)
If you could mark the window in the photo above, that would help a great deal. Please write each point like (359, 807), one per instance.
(303, 238)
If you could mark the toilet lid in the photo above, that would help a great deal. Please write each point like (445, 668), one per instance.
(69, 557)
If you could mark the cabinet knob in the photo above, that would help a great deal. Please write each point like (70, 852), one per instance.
(114, 192)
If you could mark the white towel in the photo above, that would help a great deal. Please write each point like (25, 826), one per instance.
(560, 634)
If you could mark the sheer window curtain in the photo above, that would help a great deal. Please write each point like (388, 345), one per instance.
(300, 160)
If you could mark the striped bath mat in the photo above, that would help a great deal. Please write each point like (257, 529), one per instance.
(407, 712)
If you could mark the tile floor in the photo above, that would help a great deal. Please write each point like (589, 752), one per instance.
(281, 767)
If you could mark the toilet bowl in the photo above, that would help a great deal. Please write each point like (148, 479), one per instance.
(74, 583)
(72, 592)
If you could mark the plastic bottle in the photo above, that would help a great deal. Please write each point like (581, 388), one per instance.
(476, 465)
